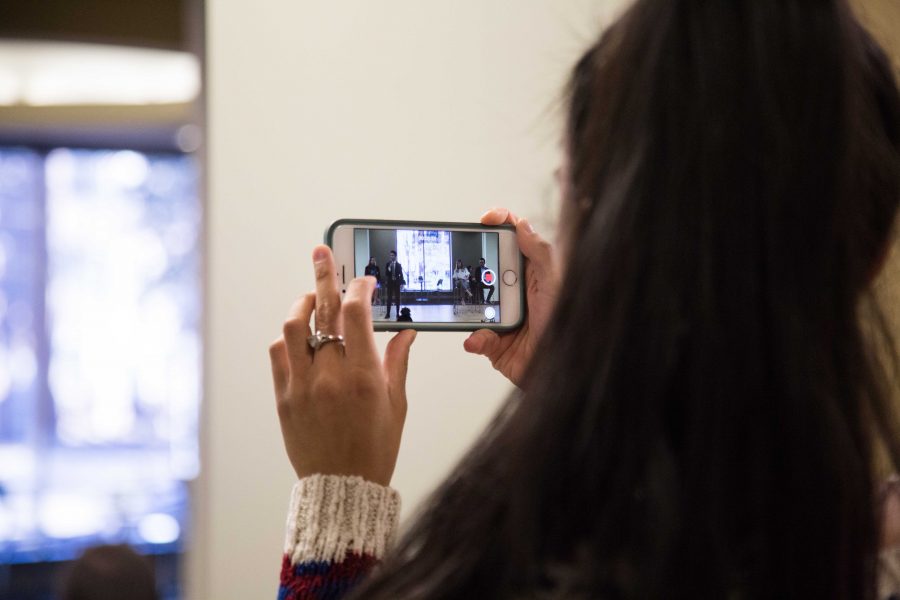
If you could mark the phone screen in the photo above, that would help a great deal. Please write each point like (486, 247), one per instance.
(431, 275)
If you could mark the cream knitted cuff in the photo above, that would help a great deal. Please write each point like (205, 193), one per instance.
(331, 515)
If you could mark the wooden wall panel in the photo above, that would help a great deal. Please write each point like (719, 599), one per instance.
(152, 23)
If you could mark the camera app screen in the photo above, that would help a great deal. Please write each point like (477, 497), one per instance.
(431, 276)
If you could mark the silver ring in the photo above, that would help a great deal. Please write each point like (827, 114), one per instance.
(320, 339)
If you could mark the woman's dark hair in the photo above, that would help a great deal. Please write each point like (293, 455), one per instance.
(703, 417)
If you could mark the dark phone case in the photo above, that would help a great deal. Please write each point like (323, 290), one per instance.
(395, 326)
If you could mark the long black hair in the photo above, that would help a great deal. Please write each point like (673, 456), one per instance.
(701, 419)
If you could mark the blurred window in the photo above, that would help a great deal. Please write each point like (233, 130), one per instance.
(100, 349)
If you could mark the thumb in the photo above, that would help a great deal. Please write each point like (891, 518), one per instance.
(483, 342)
(535, 248)
(396, 360)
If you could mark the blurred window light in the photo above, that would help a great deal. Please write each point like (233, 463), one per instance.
(21, 235)
(123, 298)
(100, 349)
(10, 86)
(65, 515)
(64, 73)
(159, 528)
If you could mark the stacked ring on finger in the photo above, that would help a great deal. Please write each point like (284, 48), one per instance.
(320, 339)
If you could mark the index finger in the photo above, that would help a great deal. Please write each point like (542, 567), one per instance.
(499, 216)
(357, 313)
(328, 297)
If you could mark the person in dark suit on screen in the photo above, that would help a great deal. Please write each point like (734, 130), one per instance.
(393, 279)
(478, 274)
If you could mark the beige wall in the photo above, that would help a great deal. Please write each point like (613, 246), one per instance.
(323, 109)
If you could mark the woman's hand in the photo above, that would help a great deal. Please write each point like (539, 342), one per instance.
(341, 409)
(511, 352)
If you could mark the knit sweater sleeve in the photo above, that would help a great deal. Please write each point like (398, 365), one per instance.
(338, 529)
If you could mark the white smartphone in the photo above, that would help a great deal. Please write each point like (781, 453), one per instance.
(434, 276)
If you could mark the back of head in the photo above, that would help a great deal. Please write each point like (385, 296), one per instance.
(733, 197)
(701, 419)
(110, 573)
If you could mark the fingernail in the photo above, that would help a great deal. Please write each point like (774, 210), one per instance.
(527, 225)
(486, 213)
(320, 254)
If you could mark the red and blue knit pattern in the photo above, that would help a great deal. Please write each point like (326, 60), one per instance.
(323, 580)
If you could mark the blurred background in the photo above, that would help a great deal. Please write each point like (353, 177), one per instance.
(101, 257)
(165, 168)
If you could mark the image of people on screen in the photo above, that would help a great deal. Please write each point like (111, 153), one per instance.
(430, 271)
